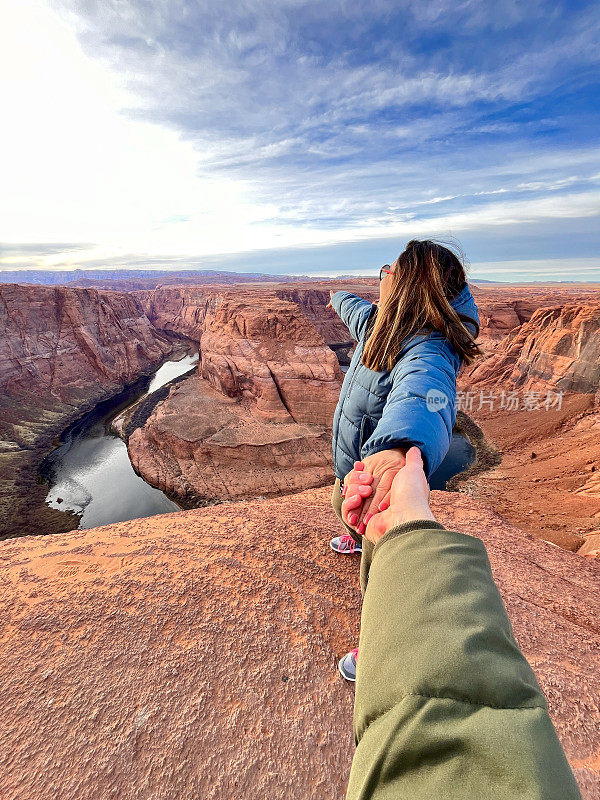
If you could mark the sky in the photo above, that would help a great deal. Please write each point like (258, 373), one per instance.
(286, 136)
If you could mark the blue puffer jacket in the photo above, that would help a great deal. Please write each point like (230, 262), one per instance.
(380, 410)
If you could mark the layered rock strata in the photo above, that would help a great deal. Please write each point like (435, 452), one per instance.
(536, 399)
(313, 303)
(556, 348)
(269, 352)
(61, 351)
(199, 446)
(257, 417)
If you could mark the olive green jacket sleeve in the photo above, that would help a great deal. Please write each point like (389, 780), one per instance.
(446, 706)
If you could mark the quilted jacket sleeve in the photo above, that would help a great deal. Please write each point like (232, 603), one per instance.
(353, 311)
(446, 706)
(421, 406)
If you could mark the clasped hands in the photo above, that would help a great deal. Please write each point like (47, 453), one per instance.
(367, 490)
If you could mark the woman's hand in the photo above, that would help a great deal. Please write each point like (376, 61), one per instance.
(409, 499)
(366, 488)
(331, 293)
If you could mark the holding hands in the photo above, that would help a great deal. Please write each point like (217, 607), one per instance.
(384, 490)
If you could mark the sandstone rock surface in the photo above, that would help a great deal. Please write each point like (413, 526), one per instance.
(504, 309)
(61, 351)
(313, 302)
(199, 445)
(182, 309)
(591, 545)
(57, 341)
(178, 309)
(268, 351)
(194, 654)
(257, 417)
(557, 347)
(534, 398)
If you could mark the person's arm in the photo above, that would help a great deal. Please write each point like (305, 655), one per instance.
(446, 705)
(352, 310)
(420, 408)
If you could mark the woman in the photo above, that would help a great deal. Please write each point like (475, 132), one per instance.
(400, 388)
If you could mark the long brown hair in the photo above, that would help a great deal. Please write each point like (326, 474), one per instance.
(426, 277)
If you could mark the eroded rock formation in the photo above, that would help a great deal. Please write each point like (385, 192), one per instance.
(58, 342)
(194, 654)
(61, 351)
(200, 446)
(557, 347)
(535, 397)
(313, 302)
(257, 417)
(177, 309)
(268, 351)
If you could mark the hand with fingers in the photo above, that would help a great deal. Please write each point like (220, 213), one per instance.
(408, 499)
(331, 293)
(367, 487)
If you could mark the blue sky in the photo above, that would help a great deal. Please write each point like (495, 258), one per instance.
(307, 137)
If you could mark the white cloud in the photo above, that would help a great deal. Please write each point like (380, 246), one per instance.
(75, 169)
(150, 148)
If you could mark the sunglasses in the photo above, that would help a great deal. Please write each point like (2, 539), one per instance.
(385, 269)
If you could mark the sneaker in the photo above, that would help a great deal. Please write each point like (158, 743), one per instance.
(347, 665)
(345, 544)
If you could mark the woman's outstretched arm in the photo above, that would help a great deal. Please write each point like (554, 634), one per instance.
(352, 310)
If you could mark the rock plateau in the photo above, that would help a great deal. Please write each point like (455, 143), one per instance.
(194, 654)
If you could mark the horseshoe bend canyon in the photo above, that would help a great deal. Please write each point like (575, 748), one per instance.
(242, 444)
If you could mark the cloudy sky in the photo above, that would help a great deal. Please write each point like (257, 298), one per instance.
(294, 136)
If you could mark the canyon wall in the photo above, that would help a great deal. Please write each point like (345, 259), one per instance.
(557, 348)
(200, 446)
(256, 419)
(177, 309)
(313, 302)
(182, 309)
(266, 374)
(61, 351)
(498, 317)
(57, 342)
(503, 309)
(539, 393)
(268, 351)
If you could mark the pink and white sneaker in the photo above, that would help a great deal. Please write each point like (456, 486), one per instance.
(345, 544)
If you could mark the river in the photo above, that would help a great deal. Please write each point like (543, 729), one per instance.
(460, 455)
(90, 472)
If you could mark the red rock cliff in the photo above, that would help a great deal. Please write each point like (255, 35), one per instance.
(547, 482)
(267, 350)
(257, 417)
(64, 343)
(557, 347)
(61, 351)
(177, 309)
